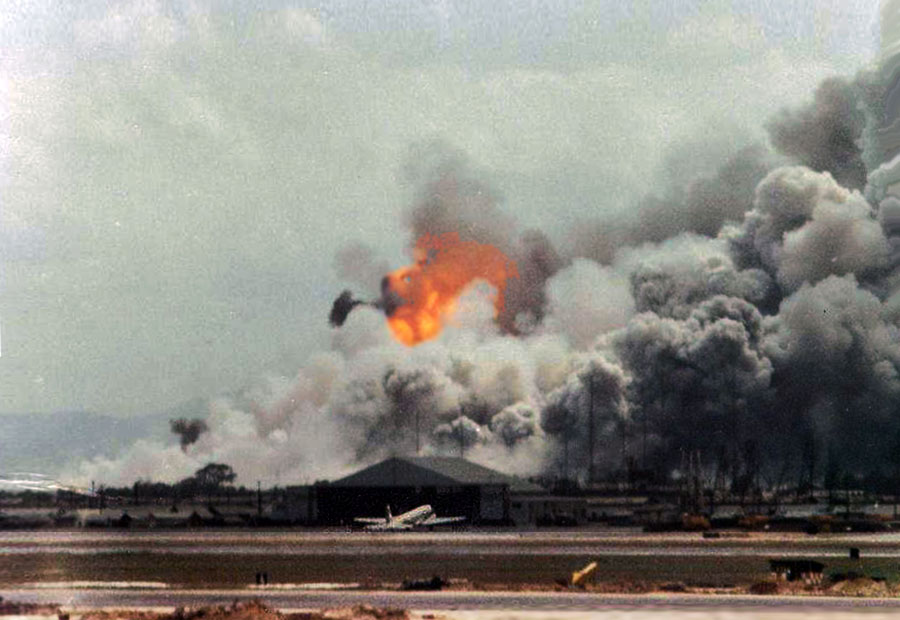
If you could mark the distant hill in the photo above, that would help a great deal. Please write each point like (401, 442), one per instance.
(46, 443)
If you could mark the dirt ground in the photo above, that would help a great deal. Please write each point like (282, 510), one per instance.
(251, 610)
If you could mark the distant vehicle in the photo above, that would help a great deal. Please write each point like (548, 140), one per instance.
(420, 517)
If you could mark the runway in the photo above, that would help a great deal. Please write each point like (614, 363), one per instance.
(503, 542)
(228, 560)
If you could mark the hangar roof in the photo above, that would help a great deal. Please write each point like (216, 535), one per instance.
(420, 471)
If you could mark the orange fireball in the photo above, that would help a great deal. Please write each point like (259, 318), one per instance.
(424, 295)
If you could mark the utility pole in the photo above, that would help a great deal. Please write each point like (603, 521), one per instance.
(644, 439)
(591, 429)
(566, 450)
(417, 432)
(259, 498)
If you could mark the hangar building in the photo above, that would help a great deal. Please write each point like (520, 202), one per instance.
(452, 485)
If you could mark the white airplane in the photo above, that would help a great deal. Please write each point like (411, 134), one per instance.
(423, 516)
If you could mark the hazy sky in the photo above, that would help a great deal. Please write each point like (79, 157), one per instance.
(176, 177)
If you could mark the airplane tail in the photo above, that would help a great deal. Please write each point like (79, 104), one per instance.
(388, 511)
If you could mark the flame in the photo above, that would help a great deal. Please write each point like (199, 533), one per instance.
(427, 291)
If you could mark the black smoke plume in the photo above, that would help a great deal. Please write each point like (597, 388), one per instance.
(341, 308)
(188, 430)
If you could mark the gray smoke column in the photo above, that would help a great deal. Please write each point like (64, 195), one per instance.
(359, 264)
(825, 134)
(690, 201)
(515, 423)
(837, 357)
(700, 381)
(188, 430)
(594, 392)
(460, 435)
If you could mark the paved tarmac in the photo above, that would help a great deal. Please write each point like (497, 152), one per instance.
(503, 542)
(229, 559)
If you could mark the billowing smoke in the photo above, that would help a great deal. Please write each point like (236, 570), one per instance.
(188, 431)
(515, 423)
(746, 312)
(698, 201)
(825, 135)
(462, 432)
(804, 227)
(671, 278)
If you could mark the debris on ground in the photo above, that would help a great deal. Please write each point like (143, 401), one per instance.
(769, 588)
(580, 577)
(435, 583)
(357, 612)
(675, 586)
(253, 610)
(859, 586)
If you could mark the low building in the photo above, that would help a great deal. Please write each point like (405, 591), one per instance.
(296, 505)
(548, 510)
(451, 485)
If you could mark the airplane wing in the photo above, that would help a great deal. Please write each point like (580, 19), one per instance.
(442, 520)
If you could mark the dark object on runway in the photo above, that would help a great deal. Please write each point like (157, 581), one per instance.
(764, 588)
(435, 583)
(557, 521)
(854, 553)
(673, 586)
(795, 570)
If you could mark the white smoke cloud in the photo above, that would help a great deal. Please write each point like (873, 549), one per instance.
(585, 300)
